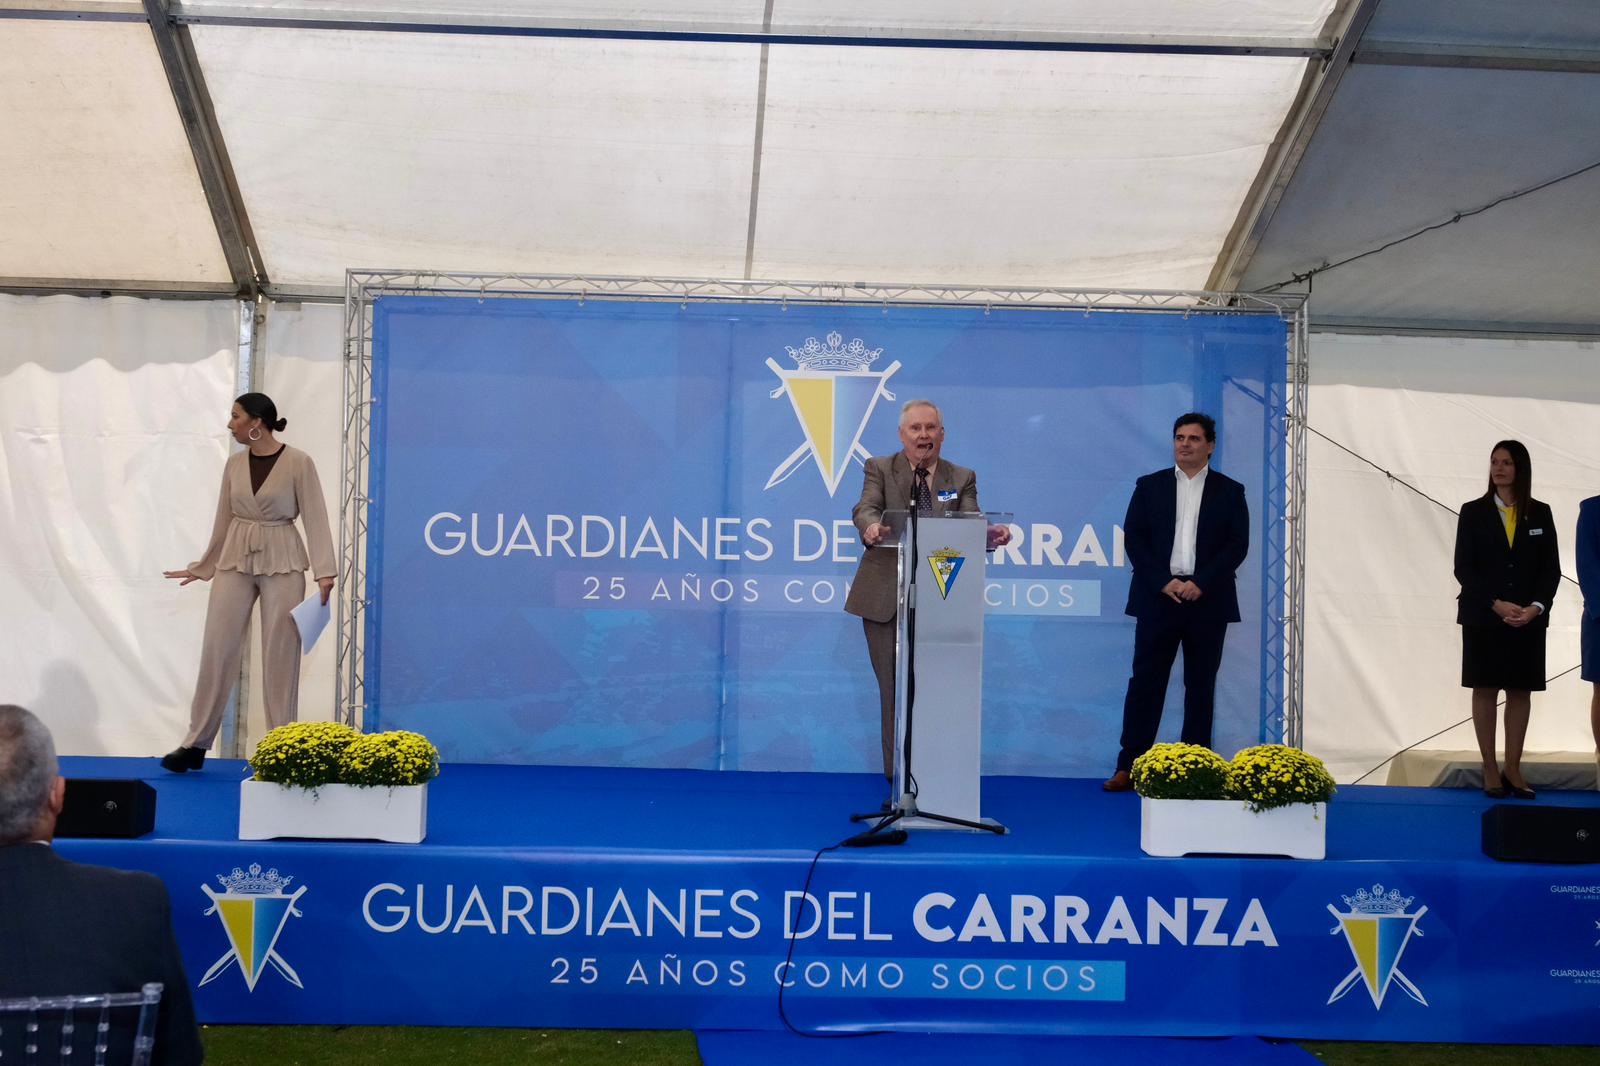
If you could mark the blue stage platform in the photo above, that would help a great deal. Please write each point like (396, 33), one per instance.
(570, 896)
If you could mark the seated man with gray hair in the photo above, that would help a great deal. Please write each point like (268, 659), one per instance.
(71, 929)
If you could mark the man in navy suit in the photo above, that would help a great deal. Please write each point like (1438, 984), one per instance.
(1187, 531)
(1589, 581)
(69, 929)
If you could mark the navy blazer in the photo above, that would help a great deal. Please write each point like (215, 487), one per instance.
(1589, 555)
(71, 929)
(1489, 569)
(1222, 540)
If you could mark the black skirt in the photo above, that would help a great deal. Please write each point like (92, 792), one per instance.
(1503, 657)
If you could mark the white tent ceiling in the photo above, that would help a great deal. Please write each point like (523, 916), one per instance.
(556, 156)
(1143, 143)
(96, 177)
(474, 153)
(1406, 145)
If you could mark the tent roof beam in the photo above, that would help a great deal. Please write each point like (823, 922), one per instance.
(192, 290)
(1346, 26)
(193, 103)
(1426, 327)
(501, 25)
(1462, 57)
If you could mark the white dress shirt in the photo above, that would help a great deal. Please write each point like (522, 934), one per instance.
(1189, 490)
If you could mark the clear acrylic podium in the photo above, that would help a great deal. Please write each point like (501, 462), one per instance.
(938, 734)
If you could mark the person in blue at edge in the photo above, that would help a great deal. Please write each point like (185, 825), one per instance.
(1589, 580)
(1508, 566)
(1186, 533)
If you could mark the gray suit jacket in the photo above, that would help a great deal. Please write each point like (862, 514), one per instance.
(71, 929)
(888, 486)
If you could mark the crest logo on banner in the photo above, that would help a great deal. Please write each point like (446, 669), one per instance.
(1377, 927)
(945, 564)
(833, 395)
(253, 908)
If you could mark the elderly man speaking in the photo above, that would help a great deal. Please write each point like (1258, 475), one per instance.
(916, 476)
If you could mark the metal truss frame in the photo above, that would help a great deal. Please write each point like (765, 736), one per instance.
(1289, 562)
(364, 287)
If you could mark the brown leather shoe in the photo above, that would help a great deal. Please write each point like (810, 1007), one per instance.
(1119, 782)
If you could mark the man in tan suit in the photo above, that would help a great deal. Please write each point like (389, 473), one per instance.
(898, 482)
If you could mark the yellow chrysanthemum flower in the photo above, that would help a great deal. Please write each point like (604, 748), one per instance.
(310, 754)
(1274, 775)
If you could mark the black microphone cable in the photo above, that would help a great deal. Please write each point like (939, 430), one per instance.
(794, 931)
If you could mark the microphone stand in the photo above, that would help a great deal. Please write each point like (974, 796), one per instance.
(906, 806)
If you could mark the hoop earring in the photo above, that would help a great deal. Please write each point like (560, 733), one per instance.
(255, 433)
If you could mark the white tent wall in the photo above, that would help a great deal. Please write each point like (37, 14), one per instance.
(1383, 654)
(112, 438)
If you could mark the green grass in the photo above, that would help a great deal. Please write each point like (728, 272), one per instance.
(337, 1045)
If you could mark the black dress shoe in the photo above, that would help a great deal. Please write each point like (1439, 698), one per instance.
(1521, 792)
(1499, 792)
(182, 760)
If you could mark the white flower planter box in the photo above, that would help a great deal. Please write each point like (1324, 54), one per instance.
(1230, 827)
(333, 812)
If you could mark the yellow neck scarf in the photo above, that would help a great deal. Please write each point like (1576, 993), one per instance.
(1508, 515)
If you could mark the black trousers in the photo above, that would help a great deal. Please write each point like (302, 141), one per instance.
(1156, 640)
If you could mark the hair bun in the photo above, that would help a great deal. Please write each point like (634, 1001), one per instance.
(277, 427)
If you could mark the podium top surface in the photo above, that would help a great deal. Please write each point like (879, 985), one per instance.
(897, 520)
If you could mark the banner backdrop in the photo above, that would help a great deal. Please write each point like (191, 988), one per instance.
(618, 532)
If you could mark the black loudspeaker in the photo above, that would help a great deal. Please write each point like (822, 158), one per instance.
(1541, 834)
(102, 807)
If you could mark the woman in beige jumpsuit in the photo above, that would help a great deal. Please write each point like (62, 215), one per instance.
(255, 552)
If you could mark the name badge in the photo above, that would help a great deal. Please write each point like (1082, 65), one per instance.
(946, 497)
(1534, 532)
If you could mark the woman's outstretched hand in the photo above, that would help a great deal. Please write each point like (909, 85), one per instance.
(187, 576)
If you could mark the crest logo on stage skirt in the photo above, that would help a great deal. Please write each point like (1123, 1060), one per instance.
(833, 395)
(1377, 927)
(253, 908)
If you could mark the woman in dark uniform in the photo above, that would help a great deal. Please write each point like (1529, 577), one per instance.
(1507, 564)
